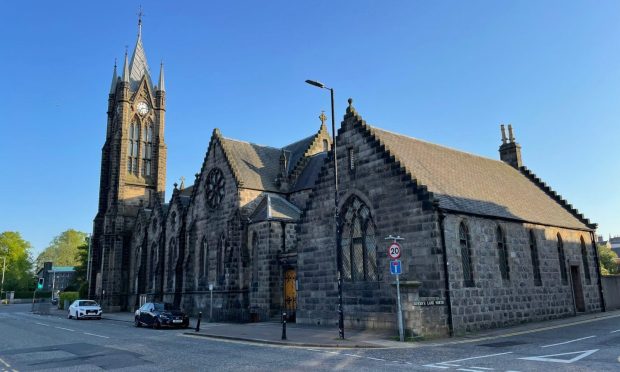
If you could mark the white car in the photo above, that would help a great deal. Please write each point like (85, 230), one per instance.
(81, 309)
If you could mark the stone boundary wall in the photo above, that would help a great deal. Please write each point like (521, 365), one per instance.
(611, 291)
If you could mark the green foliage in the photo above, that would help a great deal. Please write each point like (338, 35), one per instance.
(18, 274)
(63, 250)
(81, 266)
(28, 294)
(84, 290)
(64, 296)
(608, 260)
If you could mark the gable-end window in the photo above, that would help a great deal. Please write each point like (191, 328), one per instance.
(468, 272)
(562, 259)
(535, 259)
(351, 159)
(502, 251)
(148, 151)
(171, 254)
(325, 145)
(154, 260)
(584, 258)
(358, 245)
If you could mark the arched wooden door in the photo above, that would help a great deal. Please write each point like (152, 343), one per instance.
(290, 291)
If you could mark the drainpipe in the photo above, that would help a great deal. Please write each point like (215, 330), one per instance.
(598, 272)
(445, 266)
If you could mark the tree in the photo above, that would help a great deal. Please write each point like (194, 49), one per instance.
(608, 260)
(80, 281)
(18, 274)
(63, 249)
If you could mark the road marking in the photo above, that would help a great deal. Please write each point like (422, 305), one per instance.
(617, 330)
(5, 363)
(518, 333)
(487, 369)
(568, 342)
(468, 370)
(382, 360)
(354, 355)
(435, 366)
(450, 365)
(546, 358)
(43, 324)
(478, 357)
(66, 329)
(92, 334)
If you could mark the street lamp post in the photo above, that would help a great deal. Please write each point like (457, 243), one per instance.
(336, 218)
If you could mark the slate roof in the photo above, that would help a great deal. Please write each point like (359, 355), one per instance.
(296, 150)
(473, 184)
(257, 166)
(275, 207)
(310, 173)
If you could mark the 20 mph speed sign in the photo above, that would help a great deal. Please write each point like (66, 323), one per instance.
(394, 251)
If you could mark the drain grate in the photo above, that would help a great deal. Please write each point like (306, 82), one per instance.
(504, 344)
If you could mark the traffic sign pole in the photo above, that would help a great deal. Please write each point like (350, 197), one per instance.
(394, 252)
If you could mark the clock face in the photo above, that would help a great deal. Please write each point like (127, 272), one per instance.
(215, 188)
(143, 108)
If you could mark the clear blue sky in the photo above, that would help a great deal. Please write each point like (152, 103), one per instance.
(448, 72)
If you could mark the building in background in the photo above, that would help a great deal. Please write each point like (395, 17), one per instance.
(56, 278)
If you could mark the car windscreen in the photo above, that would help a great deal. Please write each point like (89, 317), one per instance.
(87, 303)
(164, 306)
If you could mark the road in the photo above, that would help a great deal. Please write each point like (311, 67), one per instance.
(38, 342)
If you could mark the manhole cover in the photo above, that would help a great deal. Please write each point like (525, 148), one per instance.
(504, 344)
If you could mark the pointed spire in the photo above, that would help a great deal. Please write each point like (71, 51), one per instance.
(138, 66)
(114, 79)
(125, 78)
(160, 84)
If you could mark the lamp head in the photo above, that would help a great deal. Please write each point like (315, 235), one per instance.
(315, 83)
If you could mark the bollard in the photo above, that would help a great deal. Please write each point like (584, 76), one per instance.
(284, 326)
(198, 322)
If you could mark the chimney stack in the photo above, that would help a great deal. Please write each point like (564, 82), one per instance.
(510, 150)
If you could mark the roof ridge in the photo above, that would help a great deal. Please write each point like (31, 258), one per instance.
(437, 145)
(251, 143)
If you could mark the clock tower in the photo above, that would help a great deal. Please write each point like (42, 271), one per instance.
(133, 172)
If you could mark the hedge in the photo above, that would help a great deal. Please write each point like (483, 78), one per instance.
(28, 295)
(67, 296)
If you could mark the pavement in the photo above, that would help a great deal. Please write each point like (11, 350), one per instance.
(327, 337)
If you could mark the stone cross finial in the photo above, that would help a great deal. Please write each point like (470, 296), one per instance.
(322, 117)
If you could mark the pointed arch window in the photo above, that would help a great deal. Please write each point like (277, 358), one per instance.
(204, 258)
(152, 270)
(148, 151)
(133, 148)
(584, 258)
(358, 245)
(562, 259)
(325, 145)
(502, 251)
(535, 259)
(220, 260)
(468, 272)
(254, 258)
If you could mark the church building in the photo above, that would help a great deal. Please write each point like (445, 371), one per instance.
(486, 243)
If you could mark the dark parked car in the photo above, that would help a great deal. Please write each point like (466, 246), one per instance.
(158, 314)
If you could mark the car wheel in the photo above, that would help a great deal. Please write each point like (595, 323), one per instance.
(137, 322)
(77, 315)
(69, 315)
(157, 324)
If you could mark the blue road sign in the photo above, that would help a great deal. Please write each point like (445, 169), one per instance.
(395, 267)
